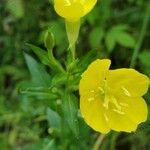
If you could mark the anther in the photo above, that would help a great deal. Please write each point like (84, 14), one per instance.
(106, 118)
(124, 104)
(101, 90)
(118, 111)
(90, 99)
(126, 92)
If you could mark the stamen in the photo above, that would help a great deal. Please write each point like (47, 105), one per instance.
(101, 90)
(106, 101)
(114, 101)
(126, 92)
(106, 118)
(90, 99)
(124, 104)
(118, 111)
(67, 3)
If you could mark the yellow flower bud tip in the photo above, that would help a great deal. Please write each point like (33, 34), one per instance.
(111, 99)
(73, 10)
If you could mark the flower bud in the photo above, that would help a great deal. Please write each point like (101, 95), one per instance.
(49, 40)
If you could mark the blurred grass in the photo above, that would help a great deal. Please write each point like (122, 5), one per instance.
(110, 30)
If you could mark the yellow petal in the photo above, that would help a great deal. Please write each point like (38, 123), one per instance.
(88, 5)
(92, 112)
(72, 11)
(134, 108)
(128, 82)
(118, 121)
(94, 76)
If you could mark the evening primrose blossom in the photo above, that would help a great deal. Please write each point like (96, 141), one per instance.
(112, 99)
(72, 11)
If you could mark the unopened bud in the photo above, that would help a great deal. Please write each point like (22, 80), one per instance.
(49, 41)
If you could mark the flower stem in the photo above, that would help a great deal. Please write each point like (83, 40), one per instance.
(141, 37)
(73, 51)
(72, 29)
(98, 142)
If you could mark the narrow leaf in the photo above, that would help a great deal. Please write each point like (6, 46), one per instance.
(53, 118)
(110, 41)
(38, 73)
(125, 39)
(41, 54)
(70, 112)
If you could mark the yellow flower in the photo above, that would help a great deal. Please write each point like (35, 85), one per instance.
(73, 10)
(112, 99)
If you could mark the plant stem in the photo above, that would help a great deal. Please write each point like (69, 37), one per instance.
(141, 37)
(98, 142)
(73, 51)
(72, 29)
(113, 140)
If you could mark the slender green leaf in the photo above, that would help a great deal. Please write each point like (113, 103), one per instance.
(96, 37)
(51, 145)
(16, 7)
(110, 41)
(53, 118)
(125, 39)
(145, 58)
(41, 54)
(70, 112)
(118, 34)
(38, 73)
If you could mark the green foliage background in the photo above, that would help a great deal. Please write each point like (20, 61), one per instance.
(33, 114)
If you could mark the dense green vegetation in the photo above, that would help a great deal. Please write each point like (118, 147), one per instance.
(33, 113)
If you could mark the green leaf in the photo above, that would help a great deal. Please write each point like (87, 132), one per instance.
(59, 33)
(58, 79)
(39, 76)
(86, 59)
(29, 89)
(110, 41)
(51, 145)
(120, 27)
(41, 54)
(15, 7)
(117, 34)
(96, 37)
(91, 17)
(111, 36)
(145, 58)
(53, 118)
(70, 112)
(41, 144)
(125, 39)
(47, 58)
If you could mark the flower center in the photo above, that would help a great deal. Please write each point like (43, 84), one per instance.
(109, 98)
